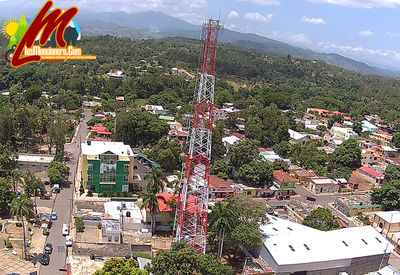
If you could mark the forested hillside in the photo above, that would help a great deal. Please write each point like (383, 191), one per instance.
(246, 77)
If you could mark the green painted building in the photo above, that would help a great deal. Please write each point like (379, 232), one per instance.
(108, 167)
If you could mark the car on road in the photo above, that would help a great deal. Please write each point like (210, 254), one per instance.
(65, 230)
(68, 241)
(54, 215)
(56, 188)
(48, 248)
(45, 259)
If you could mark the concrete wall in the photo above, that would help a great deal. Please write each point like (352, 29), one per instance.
(33, 166)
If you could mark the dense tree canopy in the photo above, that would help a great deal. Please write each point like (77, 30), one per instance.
(321, 219)
(121, 266)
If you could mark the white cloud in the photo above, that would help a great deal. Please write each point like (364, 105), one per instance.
(387, 57)
(366, 33)
(263, 2)
(300, 38)
(367, 4)
(233, 14)
(393, 34)
(232, 27)
(256, 16)
(312, 20)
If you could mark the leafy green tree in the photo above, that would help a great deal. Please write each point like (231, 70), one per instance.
(321, 219)
(182, 259)
(222, 220)
(22, 207)
(245, 234)
(283, 148)
(32, 93)
(218, 149)
(32, 184)
(150, 201)
(357, 127)
(249, 210)
(388, 195)
(58, 172)
(167, 153)
(392, 172)
(15, 178)
(280, 165)
(155, 179)
(6, 195)
(254, 129)
(258, 173)
(8, 155)
(121, 266)
(57, 132)
(333, 119)
(347, 155)
(221, 169)
(244, 152)
(80, 226)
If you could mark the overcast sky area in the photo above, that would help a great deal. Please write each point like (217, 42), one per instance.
(366, 30)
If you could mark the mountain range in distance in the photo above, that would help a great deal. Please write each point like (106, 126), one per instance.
(153, 25)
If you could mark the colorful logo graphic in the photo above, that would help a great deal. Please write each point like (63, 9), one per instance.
(51, 35)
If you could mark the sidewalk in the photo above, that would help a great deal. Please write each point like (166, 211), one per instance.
(10, 263)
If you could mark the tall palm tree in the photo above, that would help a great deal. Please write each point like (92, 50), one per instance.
(221, 219)
(15, 178)
(156, 179)
(22, 207)
(150, 200)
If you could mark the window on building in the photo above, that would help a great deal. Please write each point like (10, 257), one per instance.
(126, 178)
(90, 167)
(90, 177)
(109, 238)
(126, 167)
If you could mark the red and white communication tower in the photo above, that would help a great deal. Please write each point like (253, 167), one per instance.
(191, 211)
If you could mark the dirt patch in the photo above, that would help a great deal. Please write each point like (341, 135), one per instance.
(91, 234)
(102, 249)
(363, 184)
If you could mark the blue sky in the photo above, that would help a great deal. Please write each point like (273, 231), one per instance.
(366, 30)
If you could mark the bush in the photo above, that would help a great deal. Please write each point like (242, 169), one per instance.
(29, 229)
(81, 189)
(79, 224)
(118, 194)
(18, 224)
(9, 245)
(90, 193)
(99, 225)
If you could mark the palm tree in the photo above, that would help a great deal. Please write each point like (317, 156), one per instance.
(221, 219)
(22, 207)
(156, 179)
(150, 201)
(15, 178)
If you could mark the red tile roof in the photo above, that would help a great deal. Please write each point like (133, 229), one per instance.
(383, 133)
(305, 173)
(261, 149)
(283, 177)
(240, 136)
(371, 172)
(217, 182)
(162, 205)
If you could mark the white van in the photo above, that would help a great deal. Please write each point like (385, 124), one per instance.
(65, 230)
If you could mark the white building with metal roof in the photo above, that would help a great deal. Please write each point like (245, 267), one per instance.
(291, 248)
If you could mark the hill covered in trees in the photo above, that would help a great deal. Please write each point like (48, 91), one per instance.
(249, 78)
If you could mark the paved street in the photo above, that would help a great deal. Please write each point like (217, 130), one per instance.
(63, 206)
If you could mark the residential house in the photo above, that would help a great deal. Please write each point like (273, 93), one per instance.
(388, 224)
(219, 188)
(116, 74)
(165, 213)
(304, 176)
(343, 133)
(90, 104)
(381, 137)
(292, 248)
(219, 114)
(369, 157)
(384, 150)
(351, 205)
(155, 109)
(231, 140)
(120, 98)
(100, 114)
(372, 175)
(180, 135)
(369, 127)
(108, 167)
(320, 185)
(285, 182)
(111, 231)
(240, 124)
(100, 131)
(322, 112)
(34, 162)
(297, 138)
